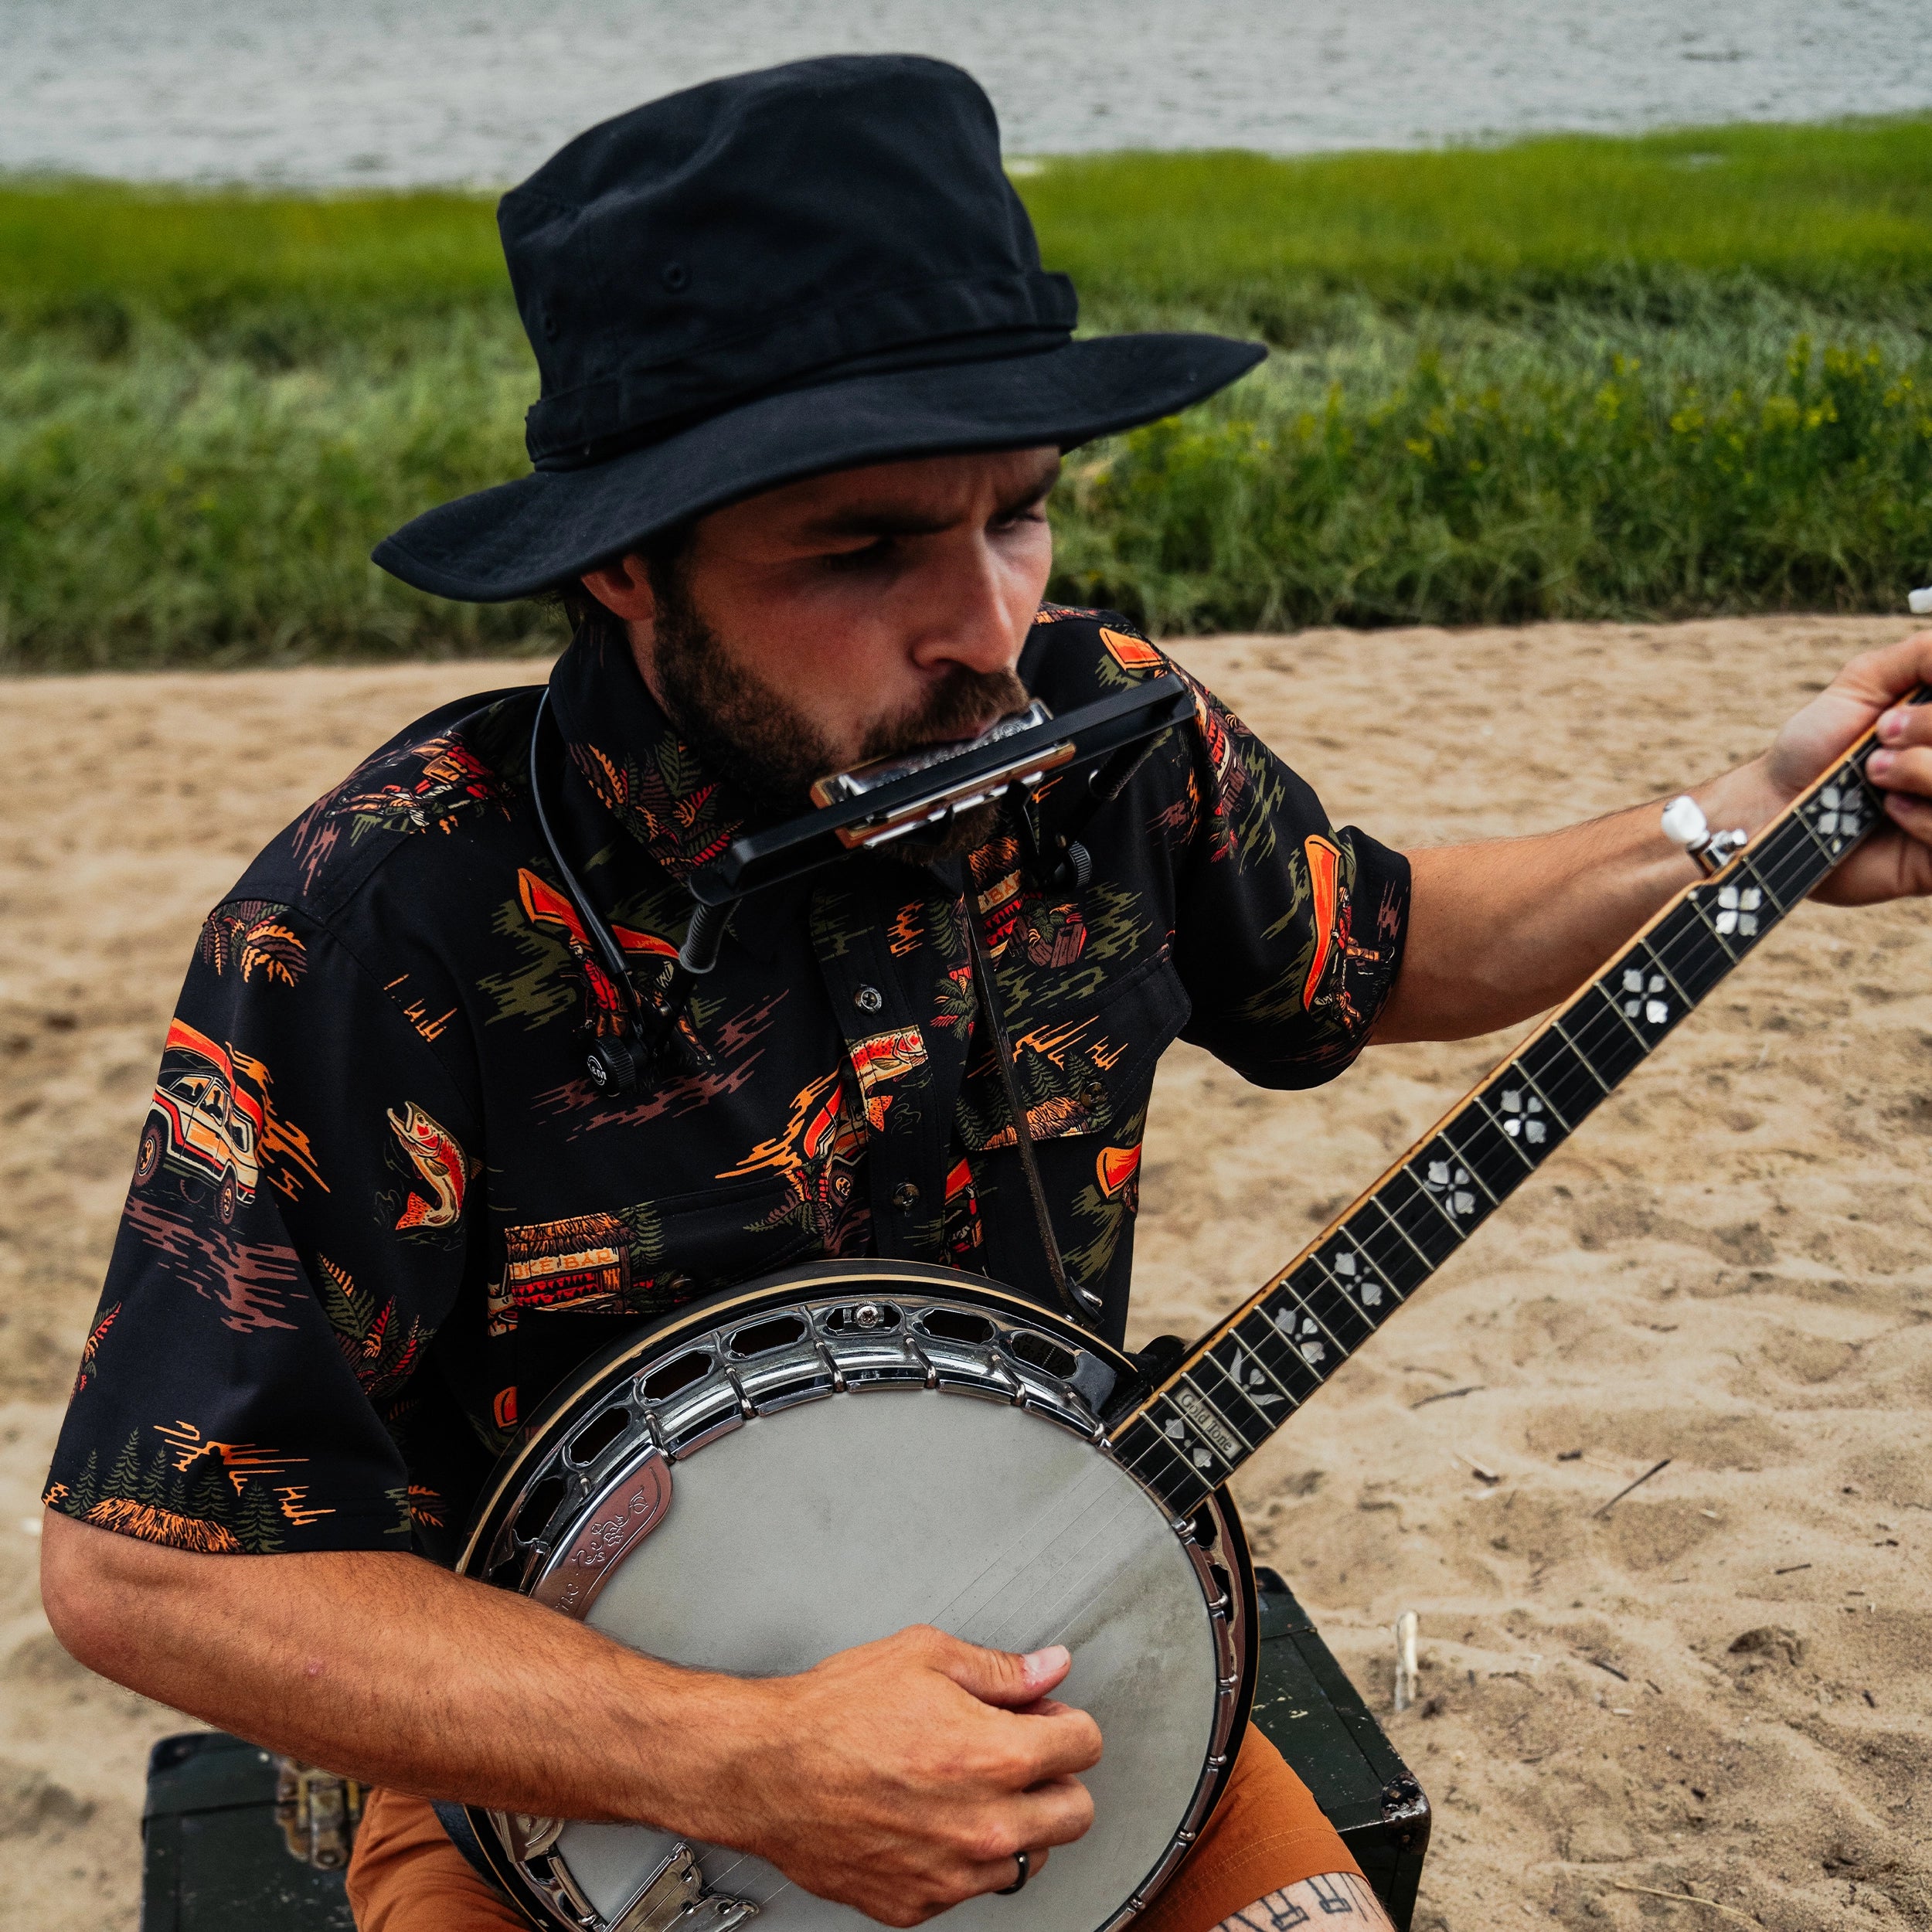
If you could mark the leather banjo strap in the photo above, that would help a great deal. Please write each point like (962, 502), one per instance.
(1081, 1304)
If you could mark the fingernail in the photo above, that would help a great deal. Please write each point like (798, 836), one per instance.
(1044, 1663)
(1891, 725)
(1880, 763)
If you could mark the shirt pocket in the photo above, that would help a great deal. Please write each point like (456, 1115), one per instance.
(654, 1256)
(1083, 1066)
(573, 1286)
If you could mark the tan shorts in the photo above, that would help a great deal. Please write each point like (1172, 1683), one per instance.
(1265, 1835)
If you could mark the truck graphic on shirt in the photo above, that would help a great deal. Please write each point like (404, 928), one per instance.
(202, 1127)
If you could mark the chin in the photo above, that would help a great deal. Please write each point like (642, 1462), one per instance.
(966, 833)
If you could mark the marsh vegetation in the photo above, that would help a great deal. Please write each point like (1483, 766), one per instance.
(1573, 377)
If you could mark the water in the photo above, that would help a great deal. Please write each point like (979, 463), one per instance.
(479, 91)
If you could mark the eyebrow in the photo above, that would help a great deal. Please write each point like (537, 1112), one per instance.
(883, 520)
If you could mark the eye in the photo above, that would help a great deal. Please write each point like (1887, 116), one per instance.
(869, 556)
(1013, 519)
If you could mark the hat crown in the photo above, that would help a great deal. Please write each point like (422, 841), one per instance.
(796, 225)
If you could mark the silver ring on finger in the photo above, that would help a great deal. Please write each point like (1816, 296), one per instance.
(1024, 1860)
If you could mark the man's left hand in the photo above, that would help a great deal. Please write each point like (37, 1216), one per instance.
(1895, 862)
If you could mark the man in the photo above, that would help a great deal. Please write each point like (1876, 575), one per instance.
(806, 389)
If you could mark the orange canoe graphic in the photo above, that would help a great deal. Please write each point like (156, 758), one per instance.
(1324, 866)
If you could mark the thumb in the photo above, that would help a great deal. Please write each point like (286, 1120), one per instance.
(1003, 1677)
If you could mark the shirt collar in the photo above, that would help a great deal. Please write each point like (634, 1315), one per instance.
(623, 746)
(660, 790)
(629, 757)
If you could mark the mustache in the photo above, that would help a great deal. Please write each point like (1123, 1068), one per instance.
(962, 707)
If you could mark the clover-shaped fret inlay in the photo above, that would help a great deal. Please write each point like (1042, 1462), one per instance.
(1177, 1432)
(1449, 1182)
(1737, 910)
(1305, 1332)
(1357, 1277)
(1522, 1117)
(1645, 996)
(1842, 813)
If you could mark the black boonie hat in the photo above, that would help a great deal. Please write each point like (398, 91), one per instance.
(771, 276)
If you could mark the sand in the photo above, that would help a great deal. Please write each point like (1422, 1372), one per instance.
(1720, 1688)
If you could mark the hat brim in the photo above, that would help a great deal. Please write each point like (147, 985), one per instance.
(522, 537)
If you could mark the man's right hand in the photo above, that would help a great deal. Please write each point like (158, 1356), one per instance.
(899, 1777)
(904, 1776)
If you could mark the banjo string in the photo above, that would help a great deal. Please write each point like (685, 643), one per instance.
(1076, 1584)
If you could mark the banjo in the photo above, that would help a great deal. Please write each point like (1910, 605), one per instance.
(818, 1459)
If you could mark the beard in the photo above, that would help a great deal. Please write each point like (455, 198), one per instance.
(750, 733)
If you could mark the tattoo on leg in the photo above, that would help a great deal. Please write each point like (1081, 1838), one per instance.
(1331, 1896)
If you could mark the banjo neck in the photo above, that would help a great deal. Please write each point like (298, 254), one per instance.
(1240, 1382)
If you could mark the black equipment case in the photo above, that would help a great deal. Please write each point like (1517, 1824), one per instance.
(217, 1859)
(1314, 1716)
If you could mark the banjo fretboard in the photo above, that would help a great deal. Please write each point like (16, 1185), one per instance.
(1239, 1383)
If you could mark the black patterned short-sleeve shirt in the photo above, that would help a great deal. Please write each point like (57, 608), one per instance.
(379, 1207)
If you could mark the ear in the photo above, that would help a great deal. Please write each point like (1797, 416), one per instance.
(624, 588)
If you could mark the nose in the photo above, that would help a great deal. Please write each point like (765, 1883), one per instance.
(972, 621)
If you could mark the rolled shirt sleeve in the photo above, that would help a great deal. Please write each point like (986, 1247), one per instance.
(297, 1230)
(1288, 933)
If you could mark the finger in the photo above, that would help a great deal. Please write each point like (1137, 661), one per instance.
(999, 1874)
(1001, 1677)
(1054, 1744)
(1877, 677)
(1056, 1812)
(1907, 770)
(1906, 724)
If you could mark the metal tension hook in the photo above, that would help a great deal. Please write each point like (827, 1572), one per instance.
(1685, 824)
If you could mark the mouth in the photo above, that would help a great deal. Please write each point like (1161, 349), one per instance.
(839, 785)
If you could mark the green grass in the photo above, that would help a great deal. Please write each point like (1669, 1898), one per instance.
(1571, 377)
(1841, 215)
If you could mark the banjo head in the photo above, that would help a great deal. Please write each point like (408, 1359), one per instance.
(822, 1460)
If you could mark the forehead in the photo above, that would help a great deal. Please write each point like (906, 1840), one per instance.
(935, 490)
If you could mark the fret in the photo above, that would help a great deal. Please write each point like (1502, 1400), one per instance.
(1785, 865)
(1517, 1110)
(1406, 1200)
(1303, 1335)
(1248, 1356)
(1451, 1186)
(1841, 811)
(1259, 1395)
(1296, 1377)
(1390, 1257)
(1498, 1160)
(1596, 1025)
(1210, 1463)
(1706, 916)
(1324, 1297)
(1737, 910)
(1566, 1087)
(1799, 827)
(1146, 1453)
(1688, 951)
(1748, 873)
(1649, 1000)
(1657, 978)
(1751, 872)
(1226, 1401)
(1372, 1291)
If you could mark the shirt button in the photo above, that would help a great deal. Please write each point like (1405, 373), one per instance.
(906, 1196)
(869, 999)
